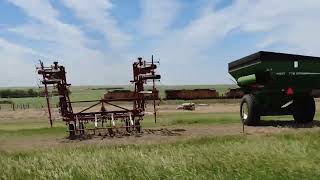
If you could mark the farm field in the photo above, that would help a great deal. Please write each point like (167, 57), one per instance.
(96, 92)
(159, 89)
(204, 144)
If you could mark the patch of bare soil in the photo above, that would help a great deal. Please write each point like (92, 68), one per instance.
(151, 136)
(210, 108)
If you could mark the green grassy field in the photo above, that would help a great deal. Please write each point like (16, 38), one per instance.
(293, 156)
(265, 156)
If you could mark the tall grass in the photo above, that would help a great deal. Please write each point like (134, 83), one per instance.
(287, 156)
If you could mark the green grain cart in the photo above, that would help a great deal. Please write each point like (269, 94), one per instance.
(276, 84)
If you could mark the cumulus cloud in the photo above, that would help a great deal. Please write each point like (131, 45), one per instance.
(96, 15)
(290, 23)
(66, 43)
(47, 27)
(287, 22)
(157, 16)
(16, 68)
(189, 52)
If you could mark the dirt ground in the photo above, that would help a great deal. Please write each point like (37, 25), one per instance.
(156, 136)
(42, 113)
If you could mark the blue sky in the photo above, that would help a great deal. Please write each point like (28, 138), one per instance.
(97, 40)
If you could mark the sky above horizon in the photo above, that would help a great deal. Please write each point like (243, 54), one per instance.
(97, 40)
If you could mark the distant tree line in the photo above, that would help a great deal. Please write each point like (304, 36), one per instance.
(6, 102)
(108, 88)
(19, 93)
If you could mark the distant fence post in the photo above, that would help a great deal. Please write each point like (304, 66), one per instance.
(13, 107)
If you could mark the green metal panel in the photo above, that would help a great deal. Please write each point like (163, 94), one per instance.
(299, 74)
(244, 80)
(268, 76)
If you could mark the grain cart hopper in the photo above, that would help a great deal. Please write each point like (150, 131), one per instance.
(276, 84)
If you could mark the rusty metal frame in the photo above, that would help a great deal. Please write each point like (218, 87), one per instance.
(55, 76)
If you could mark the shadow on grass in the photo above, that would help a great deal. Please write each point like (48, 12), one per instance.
(288, 124)
(122, 134)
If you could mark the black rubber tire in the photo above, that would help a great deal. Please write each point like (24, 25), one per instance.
(72, 132)
(304, 108)
(253, 116)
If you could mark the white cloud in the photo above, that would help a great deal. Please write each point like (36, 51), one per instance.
(97, 15)
(47, 27)
(186, 52)
(186, 44)
(286, 22)
(68, 44)
(157, 16)
(17, 65)
(291, 23)
(182, 51)
(38, 9)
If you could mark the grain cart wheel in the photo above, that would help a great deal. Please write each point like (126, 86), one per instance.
(249, 110)
(303, 109)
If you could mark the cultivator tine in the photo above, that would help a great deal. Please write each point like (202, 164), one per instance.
(96, 120)
(112, 120)
(130, 118)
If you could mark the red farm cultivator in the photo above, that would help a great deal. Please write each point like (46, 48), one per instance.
(89, 121)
